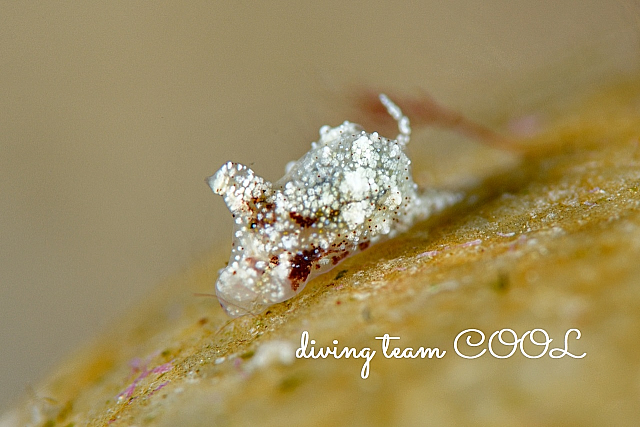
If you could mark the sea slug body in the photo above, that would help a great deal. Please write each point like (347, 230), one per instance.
(352, 189)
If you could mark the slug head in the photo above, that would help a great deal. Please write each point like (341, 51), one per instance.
(257, 275)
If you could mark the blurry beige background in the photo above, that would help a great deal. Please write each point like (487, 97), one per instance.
(113, 114)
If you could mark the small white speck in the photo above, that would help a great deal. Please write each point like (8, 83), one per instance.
(271, 353)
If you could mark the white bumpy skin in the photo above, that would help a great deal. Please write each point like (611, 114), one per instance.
(352, 189)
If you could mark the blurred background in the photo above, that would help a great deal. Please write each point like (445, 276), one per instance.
(112, 115)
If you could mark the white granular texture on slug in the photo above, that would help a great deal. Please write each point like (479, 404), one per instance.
(352, 189)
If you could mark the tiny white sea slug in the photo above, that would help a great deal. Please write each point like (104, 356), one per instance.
(352, 189)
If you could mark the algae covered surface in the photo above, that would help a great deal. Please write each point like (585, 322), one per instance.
(547, 241)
